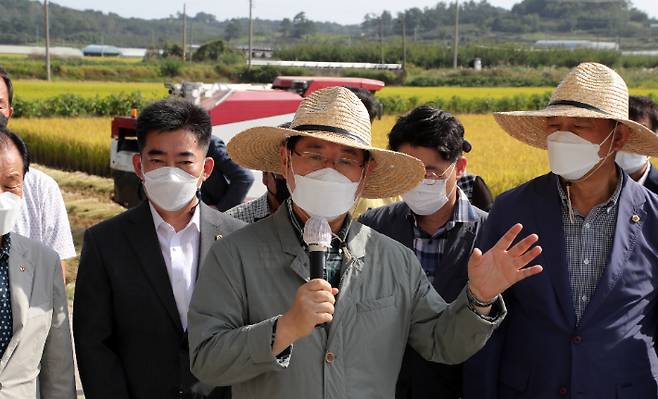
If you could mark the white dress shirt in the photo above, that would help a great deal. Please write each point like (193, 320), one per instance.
(180, 251)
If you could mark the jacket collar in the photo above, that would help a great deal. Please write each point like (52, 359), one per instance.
(357, 238)
(213, 229)
(21, 277)
(143, 239)
(630, 218)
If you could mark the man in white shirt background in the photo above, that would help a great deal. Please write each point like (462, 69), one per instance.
(43, 216)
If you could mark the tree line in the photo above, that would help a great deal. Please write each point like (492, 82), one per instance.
(21, 23)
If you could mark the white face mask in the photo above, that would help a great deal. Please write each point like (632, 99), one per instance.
(325, 193)
(428, 196)
(10, 208)
(631, 162)
(571, 156)
(170, 188)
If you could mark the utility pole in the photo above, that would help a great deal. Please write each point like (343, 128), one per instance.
(455, 50)
(189, 41)
(251, 31)
(381, 39)
(47, 29)
(184, 32)
(404, 41)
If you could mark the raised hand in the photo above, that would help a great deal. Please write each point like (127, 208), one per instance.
(491, 273)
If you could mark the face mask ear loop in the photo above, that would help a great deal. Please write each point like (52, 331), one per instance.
(454, 165)
(289, 162)
(364, 175)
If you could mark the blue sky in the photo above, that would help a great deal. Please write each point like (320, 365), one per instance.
(343, 11)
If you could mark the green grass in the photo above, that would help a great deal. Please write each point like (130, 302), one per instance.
(39, 89)
(117, 60)
(430, 93)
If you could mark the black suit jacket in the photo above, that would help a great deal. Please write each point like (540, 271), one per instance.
(128, 336)
(652, 179)
(420, 379)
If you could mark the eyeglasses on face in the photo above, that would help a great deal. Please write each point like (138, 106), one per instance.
(342, 164)
(433, 176)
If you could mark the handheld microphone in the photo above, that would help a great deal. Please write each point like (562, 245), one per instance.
(317, 235)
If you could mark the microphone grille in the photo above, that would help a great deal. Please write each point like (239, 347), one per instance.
(317, 231)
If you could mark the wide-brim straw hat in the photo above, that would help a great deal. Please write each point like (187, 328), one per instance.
(590, 90)
(336, 115)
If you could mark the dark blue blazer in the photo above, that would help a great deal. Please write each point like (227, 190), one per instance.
(229, 183)
(419, 378)
(539, 351)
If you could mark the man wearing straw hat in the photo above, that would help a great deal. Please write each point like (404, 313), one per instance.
(585, 328)
(254, 312)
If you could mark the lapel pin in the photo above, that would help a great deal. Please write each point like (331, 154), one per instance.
(218, 237)
(22, 268)
(635, 218)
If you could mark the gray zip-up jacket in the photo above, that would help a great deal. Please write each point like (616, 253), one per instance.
(385, 301)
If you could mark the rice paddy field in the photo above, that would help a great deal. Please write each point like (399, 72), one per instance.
(83, 144)
(430, 93)
(39, 89)
(74, 144)
(502, 161)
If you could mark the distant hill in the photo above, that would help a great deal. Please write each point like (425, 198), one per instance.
(528, 20)
(21, 22)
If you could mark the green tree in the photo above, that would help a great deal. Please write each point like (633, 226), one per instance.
(233, 30)
(172, 51)
(209, 51)
(301, 26)
(285, 28)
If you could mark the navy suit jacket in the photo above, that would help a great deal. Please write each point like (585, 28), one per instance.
(229, 183)
(419, 378)
(539, 351)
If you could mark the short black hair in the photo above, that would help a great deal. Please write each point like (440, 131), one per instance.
(643, 107)
(174, 114)
(3, 120)
(9, 138)
(10, 86)
(431, 127)
(369, 100)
